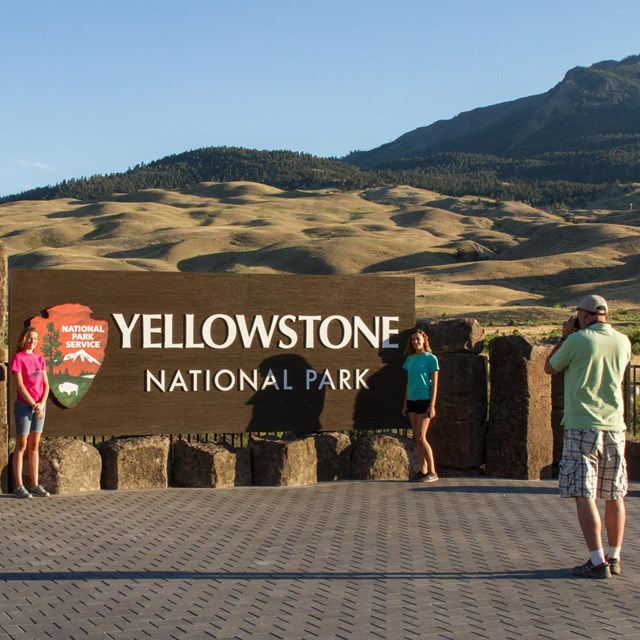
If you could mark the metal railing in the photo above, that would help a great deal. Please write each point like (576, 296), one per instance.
(239, 440)
(631, 414)
(632, 398)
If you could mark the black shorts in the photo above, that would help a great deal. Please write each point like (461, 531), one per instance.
(418, 406)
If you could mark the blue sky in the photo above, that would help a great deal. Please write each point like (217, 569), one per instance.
(98, 86)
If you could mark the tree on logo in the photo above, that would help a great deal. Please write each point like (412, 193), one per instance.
(50, 343)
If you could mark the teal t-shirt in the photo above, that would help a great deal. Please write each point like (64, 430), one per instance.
(594, 360)
(419, 367)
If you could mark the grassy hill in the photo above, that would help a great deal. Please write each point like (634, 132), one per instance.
(554, 178)
(470, 255)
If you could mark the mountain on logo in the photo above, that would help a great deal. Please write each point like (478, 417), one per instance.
(82, 355)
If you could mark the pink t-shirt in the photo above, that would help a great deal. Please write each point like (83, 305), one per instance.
(31, 367)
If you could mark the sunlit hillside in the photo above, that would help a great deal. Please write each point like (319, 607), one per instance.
(469, 254)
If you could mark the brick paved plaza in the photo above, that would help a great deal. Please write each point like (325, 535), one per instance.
(462, 558)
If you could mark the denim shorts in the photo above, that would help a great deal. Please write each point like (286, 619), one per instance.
(26, 420)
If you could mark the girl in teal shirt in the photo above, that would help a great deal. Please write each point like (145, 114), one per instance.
(420, 400)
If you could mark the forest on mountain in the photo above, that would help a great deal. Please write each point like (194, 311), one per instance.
(552, 150)
(551, 180)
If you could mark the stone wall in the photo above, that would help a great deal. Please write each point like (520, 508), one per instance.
(519, 437)
(457, 433)
(515, 432)
(4, 331)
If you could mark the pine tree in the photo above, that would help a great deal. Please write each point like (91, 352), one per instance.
(50, 344)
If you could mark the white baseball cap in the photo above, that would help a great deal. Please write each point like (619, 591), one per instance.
(593, 304)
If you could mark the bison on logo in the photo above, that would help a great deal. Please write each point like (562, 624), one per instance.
(72, 344)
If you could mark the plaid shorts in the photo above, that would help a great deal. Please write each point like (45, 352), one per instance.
(593, 464)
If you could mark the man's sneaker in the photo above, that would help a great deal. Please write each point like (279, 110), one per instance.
(588, 570)
(40, 492)
(21, 492)
(419, 477)
(431, 477)
(614, 566)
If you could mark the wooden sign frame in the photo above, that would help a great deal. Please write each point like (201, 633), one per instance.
(225, 353)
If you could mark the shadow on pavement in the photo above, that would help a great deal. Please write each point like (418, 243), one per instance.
(446, 487)
(43, 576)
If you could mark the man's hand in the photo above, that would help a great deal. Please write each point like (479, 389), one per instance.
(569, 326)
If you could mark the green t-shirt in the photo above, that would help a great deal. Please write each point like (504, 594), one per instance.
(594, 360)
(419, 367)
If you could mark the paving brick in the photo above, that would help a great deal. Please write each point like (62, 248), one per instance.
(465, 558)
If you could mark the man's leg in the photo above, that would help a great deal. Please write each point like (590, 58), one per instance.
(614, 484)
(578, 479)
(614, 521)
(615, 515)
(590, 524)
(589, 519)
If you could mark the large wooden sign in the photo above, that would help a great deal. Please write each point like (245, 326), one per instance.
(142, 353)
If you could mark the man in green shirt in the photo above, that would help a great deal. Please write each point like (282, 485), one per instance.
(594, 357)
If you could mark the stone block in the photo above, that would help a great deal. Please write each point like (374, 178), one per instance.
(290, 461)
(135, 463)
(461, 335)
(457, 433)
(4, 457)
(68, 466)
(632, 455)
(333, 451)
(519, 437)
(557, 413)
(209, 464)
(383, 456)
(457, 444)
(4, 358)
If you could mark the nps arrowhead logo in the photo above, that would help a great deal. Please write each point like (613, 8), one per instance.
(72, 344)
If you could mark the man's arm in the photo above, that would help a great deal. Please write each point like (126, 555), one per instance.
(547, 366)
(568, 327)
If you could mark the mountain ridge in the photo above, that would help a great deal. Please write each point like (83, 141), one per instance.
(591, 102)
(556, 149)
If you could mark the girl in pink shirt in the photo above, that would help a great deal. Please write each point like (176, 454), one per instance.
(32, 387)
